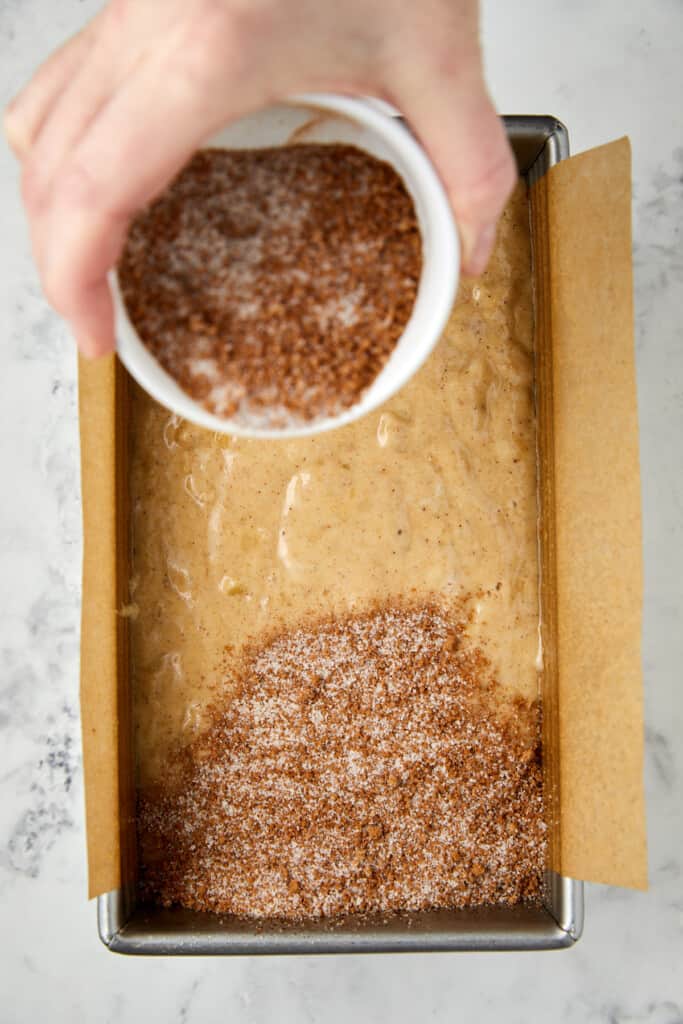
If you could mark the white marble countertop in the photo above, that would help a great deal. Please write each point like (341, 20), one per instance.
(605, 68)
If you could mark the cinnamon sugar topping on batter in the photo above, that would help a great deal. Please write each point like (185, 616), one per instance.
(366, 763)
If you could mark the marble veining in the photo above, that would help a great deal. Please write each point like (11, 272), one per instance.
(606, 69)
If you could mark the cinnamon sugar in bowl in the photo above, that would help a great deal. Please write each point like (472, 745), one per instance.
(295, 274)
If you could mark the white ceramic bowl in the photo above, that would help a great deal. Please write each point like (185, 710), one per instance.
(331, 118)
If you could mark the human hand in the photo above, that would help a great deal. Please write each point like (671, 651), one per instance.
(113, 115)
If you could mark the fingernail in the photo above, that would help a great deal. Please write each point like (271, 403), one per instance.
(10, 129)
(477, 249)
(91, 347)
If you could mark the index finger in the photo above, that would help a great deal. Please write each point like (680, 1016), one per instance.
(139, 140)
(28, 111)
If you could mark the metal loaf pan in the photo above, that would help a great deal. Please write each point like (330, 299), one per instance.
(125, 926)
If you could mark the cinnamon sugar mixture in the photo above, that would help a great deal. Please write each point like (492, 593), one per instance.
(362, 766)
(273, 284)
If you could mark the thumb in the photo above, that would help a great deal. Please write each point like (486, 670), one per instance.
(466, 141)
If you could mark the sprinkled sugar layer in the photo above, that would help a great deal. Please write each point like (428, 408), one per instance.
(361, 764)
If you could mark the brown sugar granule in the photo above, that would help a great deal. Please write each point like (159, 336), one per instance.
(273, 284)
(355, 771)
